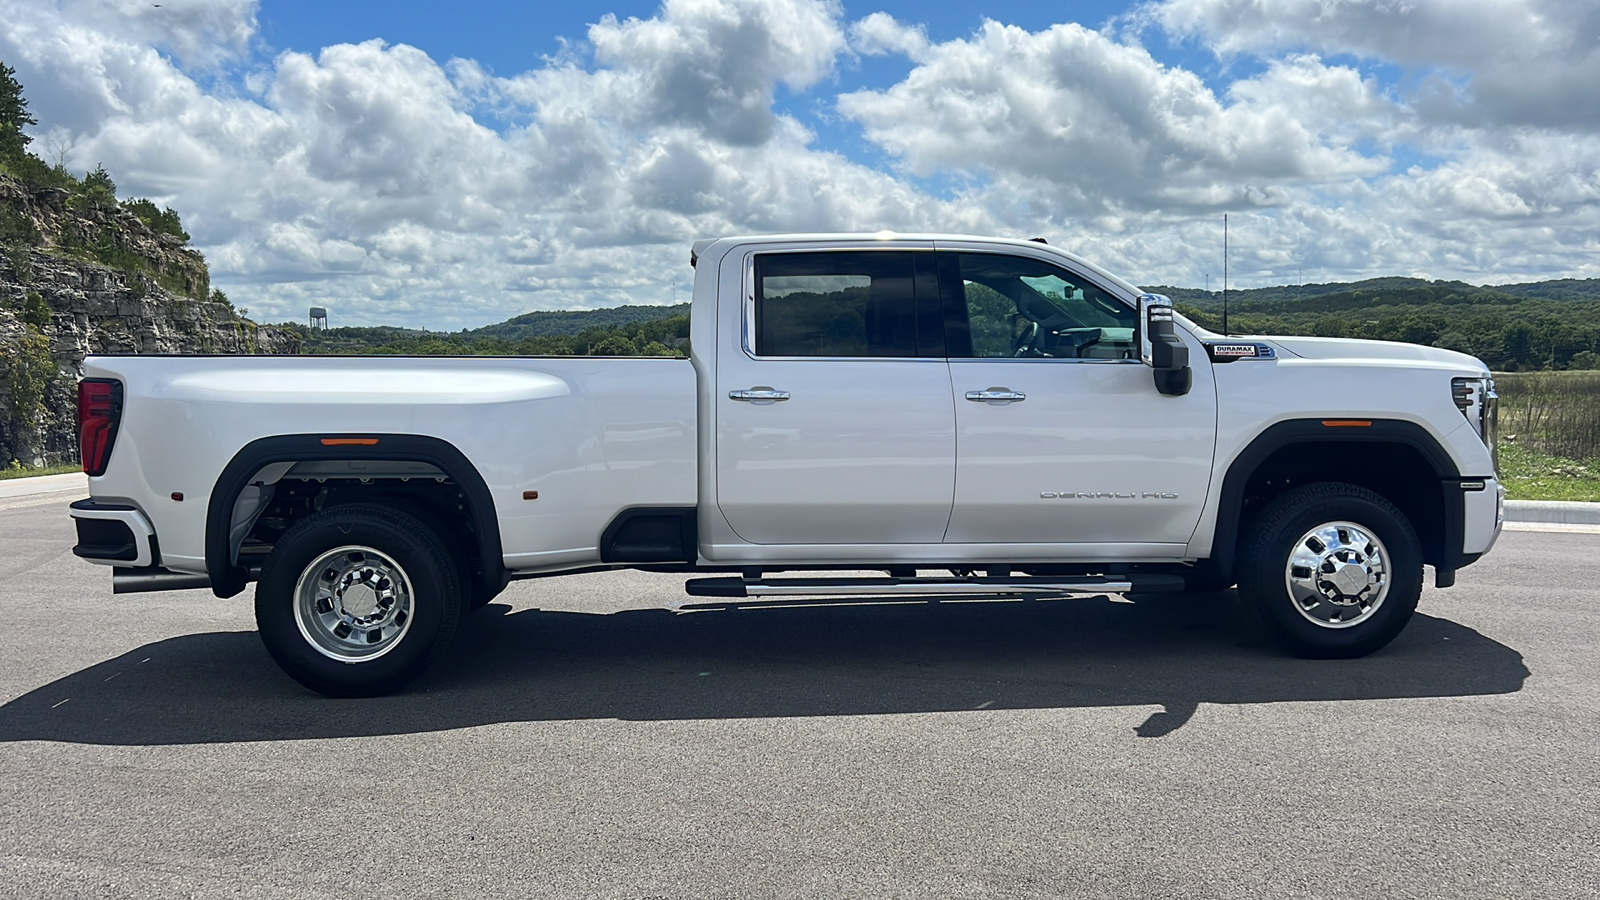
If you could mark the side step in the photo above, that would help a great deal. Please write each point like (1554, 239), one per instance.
(741, 588)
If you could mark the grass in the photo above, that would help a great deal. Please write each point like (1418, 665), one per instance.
(18, 470)
(1556, 413)
(1531, 475)
(1550, 435)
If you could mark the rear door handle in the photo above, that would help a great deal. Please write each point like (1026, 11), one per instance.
(758, 395)
(997, 395)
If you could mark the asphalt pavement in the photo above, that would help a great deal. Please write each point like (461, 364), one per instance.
(607, 736)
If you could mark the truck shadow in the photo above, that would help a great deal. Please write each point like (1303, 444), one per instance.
(1172, 651)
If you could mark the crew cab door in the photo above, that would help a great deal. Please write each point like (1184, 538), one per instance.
(1061, 434)
(833, 416)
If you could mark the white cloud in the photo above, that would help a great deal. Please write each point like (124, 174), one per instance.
(881, 33)
(198, 33)
(370, 179)
(1093, 126)
(713, 64)
(1527, 62)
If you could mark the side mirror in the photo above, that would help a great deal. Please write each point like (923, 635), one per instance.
(1160, 348)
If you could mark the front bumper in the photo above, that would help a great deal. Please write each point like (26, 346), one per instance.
(1484, 514)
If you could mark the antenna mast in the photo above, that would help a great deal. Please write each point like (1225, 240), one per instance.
(1224, 273)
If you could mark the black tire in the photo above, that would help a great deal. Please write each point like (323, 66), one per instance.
(1365, 535)
(399, 580)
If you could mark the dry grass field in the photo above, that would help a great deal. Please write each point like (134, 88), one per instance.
(1550, 435)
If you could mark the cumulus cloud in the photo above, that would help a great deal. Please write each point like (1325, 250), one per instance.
(1094, 126)
(197, 33)
(880, 33)
(373, 180)
(714, 64)
(1531, 62)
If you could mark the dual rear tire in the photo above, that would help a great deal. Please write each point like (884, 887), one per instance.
(357, 600)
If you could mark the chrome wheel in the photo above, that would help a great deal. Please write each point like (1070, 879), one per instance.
(1338, 574)
(353, 604)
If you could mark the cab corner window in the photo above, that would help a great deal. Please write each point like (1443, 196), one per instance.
(1026, 308)
(857, 303)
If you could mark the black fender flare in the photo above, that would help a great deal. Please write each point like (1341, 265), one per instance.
(1230, 506)
(228, 579)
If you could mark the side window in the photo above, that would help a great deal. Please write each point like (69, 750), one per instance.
(855, 303)
(1020, 307)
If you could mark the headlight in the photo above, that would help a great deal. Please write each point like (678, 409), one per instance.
(1477, 400)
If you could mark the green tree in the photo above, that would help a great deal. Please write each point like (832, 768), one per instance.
(14, 116)
(35, 311)
(614, 345)
(28, 371)
(161, 221)
(98, 189)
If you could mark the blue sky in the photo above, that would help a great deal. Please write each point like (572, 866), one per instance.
(451, 166)
(511, 37)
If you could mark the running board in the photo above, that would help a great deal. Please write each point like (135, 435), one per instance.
(927, 587)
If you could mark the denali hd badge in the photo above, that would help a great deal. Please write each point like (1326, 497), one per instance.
(1107, 495)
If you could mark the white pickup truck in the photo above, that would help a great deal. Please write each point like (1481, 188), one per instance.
(953, 416)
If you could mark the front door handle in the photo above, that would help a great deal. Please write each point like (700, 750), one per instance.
(759, 395)
(997, 395)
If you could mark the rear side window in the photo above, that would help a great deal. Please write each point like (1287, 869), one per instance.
(859, 303)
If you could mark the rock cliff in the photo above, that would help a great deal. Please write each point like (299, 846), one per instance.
(77, 279)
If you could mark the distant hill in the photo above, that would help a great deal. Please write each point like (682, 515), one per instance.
(633, 330)
(1518, 327)
(1562, 289)
(1385, 289)
(544, 324)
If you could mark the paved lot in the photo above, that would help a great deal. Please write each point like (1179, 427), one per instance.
(597, 737)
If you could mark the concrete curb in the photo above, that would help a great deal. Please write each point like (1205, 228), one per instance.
(1553, 512)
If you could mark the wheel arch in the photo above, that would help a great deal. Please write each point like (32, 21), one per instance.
(228, 579)
(1396, 459)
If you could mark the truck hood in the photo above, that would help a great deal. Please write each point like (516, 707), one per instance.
(1349, 348)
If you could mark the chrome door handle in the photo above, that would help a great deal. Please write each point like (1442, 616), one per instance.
(759, 394)
(996, 395)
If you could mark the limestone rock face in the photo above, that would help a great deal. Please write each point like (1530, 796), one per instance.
(52, 298)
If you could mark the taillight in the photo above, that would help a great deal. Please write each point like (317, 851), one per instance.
(99, 410)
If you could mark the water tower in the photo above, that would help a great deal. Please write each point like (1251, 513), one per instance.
(319, 318)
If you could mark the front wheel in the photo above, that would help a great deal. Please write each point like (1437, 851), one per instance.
(357, 600)
(1334, 570)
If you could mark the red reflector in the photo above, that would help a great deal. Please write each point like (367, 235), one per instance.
(1346, 423)
(99, 410)
(345, 442)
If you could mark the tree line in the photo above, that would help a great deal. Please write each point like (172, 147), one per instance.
(1519, 332)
